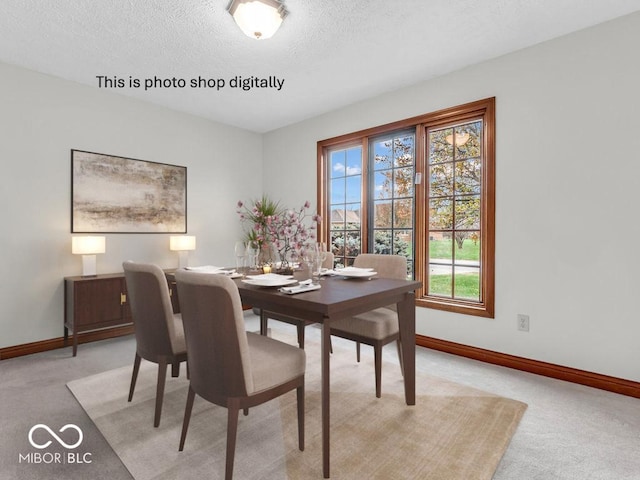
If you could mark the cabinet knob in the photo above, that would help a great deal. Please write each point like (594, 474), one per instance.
(123, 298)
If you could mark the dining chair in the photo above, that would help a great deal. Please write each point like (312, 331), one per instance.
(158, 331)
(380, 326)
(229, 366)
(300, 323)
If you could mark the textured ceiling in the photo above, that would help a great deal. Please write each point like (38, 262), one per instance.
(330, 53)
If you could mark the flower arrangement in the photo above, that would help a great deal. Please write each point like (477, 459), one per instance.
(281, 228)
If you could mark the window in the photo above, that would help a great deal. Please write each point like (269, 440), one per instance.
(392, 159)
(423, 188)
(454, 190)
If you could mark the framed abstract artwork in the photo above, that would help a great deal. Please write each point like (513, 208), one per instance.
(111, 194)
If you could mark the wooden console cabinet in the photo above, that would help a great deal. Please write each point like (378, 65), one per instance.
(94, 303)
(99, 302)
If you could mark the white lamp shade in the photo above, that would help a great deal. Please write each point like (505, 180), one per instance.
(89, 245)
(259, 19)
(183, 242)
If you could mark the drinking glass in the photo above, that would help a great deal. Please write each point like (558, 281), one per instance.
(252, 255)
(311, 257)
(322, 254)
(241, 252)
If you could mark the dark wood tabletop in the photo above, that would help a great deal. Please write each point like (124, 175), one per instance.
(338, 297)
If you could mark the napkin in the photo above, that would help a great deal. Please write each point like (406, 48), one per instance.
(306, 287)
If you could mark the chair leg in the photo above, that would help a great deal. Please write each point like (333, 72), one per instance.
(377, 357)
(187, 417)
(358, 351)
(300, 397)
(134, 375)
(301, 335)
(399, 345)
(232, 430)
(162, 376)
(175, 369)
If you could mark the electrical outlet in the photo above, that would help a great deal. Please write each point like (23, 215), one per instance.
(523, 322)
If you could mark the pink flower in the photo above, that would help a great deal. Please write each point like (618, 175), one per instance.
(307, 204)
(240, 204)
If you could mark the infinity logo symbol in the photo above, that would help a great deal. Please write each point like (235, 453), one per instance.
(60, 441)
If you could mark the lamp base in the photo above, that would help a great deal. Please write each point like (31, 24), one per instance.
(183, 258)
(89, 266)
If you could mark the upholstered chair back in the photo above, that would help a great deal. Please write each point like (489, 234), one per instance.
(387, 266)
(148, 294)
(328, 262)
(215, 335)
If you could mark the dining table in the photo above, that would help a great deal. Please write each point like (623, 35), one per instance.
(342, 297)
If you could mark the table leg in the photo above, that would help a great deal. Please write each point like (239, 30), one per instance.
(407, 318)
(325, 392)
(263, 323)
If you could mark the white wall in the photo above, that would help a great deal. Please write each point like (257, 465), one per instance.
(568, 172)
(41, 119)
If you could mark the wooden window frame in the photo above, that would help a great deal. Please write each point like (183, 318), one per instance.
(484, 109)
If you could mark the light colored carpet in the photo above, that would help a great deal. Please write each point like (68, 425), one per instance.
(453, 432)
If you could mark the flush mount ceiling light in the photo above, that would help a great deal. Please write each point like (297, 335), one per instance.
(259, 19)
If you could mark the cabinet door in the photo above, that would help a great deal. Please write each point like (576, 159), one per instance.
(127, 316)
(99, 303)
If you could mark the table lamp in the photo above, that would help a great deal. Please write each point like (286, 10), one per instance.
(88, 247)
(182, 244)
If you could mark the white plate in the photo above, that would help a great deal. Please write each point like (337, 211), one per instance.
(354, 272)
(269, 280)
(215, 271)
(327, 272)
(206, 269)
(231, 275)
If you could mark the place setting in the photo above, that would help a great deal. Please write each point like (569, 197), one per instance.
(306, 258)
(355, 272)
(229, 272)
(269, 280)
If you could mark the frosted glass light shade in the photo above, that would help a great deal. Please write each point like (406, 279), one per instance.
(182, 242)
(89, 245)
(259, 19)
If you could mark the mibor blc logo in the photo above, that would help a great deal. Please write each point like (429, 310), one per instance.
(55, 457)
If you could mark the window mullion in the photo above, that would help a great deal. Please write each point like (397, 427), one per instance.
(366, 200)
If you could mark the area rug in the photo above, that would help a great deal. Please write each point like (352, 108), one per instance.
(453, 431)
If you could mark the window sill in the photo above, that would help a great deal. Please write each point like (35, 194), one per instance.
(456, 306)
